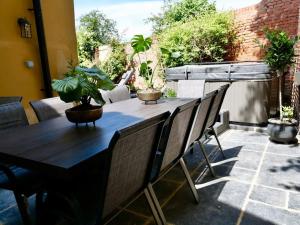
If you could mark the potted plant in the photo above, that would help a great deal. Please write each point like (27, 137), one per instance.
(140, 46)
(285, 130)
(81, 86)
(280, 55)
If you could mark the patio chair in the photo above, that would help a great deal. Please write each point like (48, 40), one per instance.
(49, 108)
(190, 88)
(22, 182)
(214, 113)
(119, 93)
(126, 77)
(130, 157)
(172, 147)
(9, 99)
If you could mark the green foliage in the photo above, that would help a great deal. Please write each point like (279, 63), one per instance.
(205, 38)
(95, 29)
(170, 93)
(279, 51)
(140, 46)
(116, 64)
(180, 11)
(82, 86)
(287, 112)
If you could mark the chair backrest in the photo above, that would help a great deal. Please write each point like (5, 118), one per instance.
(216, 106)
(131, 154)
(190, 88)
(119, 93)
(12, 115)
(126, 77)
(10, 99)
(175, 134)
(201, 118)
(49, 108)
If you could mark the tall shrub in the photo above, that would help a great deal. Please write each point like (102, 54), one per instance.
(205, 38)
(279, 55)
(180, 11)
(116, 64)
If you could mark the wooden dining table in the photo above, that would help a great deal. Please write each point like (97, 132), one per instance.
(58, 148)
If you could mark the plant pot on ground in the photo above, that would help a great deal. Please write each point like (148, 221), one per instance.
(284, 130)
(280, 56)
(81, 87)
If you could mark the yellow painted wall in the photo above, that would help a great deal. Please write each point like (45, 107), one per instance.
(59, 25)
(60, 33)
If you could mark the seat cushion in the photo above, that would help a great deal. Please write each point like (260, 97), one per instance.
(28, 182)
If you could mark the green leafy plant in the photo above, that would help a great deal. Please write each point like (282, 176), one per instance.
(170, 93)
(206, 38)
(116, 64)
(279, 55)
(180, 11)
(287, 113)
(94, 29)
(82, 85)
(140, 46)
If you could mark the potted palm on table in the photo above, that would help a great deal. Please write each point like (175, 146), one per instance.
(280, 56)
(81, 86)
(140, 46)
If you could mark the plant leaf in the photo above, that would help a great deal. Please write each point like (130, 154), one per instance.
(65, 85)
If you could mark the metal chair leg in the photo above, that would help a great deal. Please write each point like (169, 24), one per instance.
(23, 207)
(189, 179)
(153, 208)
(156, 203)
(202, 148)
(38, 207)
(216, 136)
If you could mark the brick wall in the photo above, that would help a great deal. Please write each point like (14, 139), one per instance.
(251, 21)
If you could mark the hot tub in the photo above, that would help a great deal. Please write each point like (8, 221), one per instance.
(247, 99)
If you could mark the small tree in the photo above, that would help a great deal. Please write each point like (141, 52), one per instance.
(279, 55)
(180, 11)
(95, 29)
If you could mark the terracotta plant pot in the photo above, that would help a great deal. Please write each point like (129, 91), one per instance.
(84, 114)
(283, 131)
(149, 95)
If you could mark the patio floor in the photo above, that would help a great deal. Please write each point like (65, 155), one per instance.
(259, 183)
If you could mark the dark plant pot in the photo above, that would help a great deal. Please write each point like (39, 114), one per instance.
(283, 131)
(149, 95)
(84, 114)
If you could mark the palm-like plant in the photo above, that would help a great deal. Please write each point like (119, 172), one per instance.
(82, 86)
(140, 46)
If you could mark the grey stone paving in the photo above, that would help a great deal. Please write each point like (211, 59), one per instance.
(258, 185)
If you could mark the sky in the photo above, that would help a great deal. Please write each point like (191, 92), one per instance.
(130, 15)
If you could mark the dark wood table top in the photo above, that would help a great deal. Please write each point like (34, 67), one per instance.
(57, 145)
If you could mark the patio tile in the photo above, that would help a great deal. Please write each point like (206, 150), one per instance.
(245, 159)
(126, 218)
(294, 201)
(239, 174)
(163, 189)
(259, 147)
(248, 136)
(7, 199)
(261, 214)
(292, 150)
(10, 216)
(281, 172)
(270, 196)
(219, 204)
